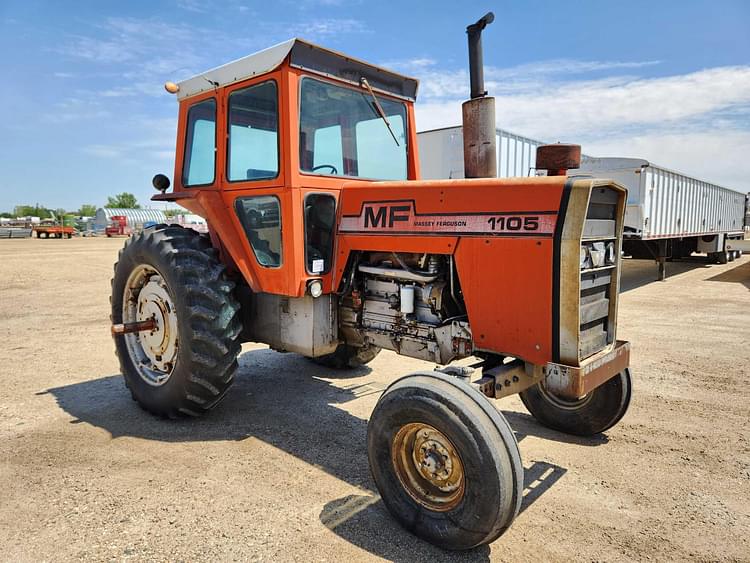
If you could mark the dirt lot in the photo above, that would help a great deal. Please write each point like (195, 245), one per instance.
(279, 471)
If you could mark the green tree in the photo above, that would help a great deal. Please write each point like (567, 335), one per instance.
(32, 211)
(174, 212)
(124, 200)
(87, 210)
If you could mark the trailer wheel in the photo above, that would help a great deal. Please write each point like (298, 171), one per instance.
(591, 414)
(722, 257)
(186, 365)
(347, 357)
(445, 461)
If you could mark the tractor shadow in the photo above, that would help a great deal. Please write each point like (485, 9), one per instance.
(285, 401)
(525, 425)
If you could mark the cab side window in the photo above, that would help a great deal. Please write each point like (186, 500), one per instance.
(320, 217)
(253, 125)
(199, 164)
(261, 218)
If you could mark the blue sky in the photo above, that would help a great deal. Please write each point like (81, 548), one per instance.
(83, 113)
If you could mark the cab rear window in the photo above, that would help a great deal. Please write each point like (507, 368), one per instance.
(199, 163)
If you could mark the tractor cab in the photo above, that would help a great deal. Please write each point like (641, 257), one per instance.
(265, 144)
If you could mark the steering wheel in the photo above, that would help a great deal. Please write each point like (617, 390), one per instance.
(331, 166)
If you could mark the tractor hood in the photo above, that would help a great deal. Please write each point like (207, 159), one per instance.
(306, 56)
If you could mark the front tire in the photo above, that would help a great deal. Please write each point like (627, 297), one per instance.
(347, 357)
(445, 461)
(596, 412)
(184, 366)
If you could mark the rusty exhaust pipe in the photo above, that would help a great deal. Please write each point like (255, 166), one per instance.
(480, 153)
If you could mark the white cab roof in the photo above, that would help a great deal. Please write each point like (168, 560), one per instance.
(304, 55)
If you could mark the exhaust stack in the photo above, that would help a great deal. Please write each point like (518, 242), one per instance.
(480, 153)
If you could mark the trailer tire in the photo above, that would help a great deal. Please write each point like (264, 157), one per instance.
(197, 317)
(596, 412)
(722, 257)
(347, 357)
(445, 461)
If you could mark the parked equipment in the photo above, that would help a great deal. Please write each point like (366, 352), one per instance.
(671, 215)
(441, 153)
(307, 253)
(54, 231)
(118, 227)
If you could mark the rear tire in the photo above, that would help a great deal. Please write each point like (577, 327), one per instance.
(596, 412)
(445, 461)
(722, 257)
(347, 357)
(186, 365)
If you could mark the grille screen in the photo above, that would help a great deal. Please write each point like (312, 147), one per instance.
(599, 260)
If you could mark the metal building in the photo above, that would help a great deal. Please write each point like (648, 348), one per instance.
(136, 217)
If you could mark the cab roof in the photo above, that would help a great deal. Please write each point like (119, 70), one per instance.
(306, 56)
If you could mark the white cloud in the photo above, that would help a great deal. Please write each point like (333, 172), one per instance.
(153, 143)
(197, 6)
(317, 29)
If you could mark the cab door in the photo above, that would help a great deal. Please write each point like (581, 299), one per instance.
(253, 184)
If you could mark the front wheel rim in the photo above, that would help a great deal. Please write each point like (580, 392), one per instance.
(564, 403)
(428, 466)
(153, 353)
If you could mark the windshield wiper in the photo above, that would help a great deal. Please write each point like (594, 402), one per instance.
(381, 113)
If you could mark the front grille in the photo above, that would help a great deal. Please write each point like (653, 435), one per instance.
(599, 261)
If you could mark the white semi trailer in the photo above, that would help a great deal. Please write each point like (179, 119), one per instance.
(441, 154)
(669, 214)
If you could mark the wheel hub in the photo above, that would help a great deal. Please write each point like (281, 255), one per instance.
(160, 344)
(428, 466)
(153, 352)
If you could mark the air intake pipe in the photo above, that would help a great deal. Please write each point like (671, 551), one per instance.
(480, 153)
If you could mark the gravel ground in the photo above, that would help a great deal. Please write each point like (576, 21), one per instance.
(279, 470)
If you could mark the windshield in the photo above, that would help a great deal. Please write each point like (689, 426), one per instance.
(342, 133)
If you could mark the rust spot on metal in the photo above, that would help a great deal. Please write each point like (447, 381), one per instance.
(574, 382)
(140, 326)
(558, 158)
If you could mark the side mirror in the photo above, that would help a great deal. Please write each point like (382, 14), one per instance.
(160, 182)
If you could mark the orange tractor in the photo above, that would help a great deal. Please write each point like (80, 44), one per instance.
(323, 241)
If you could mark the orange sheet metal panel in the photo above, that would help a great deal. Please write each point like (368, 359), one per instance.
(507, 288)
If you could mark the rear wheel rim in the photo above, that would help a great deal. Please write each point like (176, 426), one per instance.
(153, 353)
(428, 466)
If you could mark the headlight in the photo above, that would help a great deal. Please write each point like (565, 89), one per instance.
(584, 257)
(316, 288)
